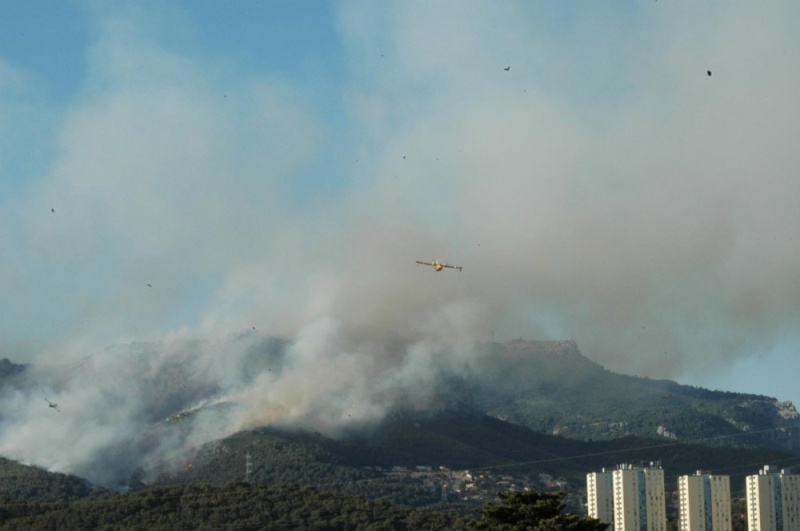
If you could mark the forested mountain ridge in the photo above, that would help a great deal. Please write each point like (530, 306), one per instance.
(363, 463)
(407, 459)
(445, 461)
(22, 482)
(537, 403)
(552, 388)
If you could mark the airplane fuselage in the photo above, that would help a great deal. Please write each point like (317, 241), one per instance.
(437, 265)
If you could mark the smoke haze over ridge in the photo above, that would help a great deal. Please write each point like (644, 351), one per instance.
(604, 189)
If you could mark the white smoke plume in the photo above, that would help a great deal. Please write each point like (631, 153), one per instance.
(149, 406)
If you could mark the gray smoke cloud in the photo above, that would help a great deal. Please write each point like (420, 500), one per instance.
(604, 189)
(151, 406)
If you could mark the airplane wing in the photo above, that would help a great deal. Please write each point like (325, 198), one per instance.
(420, 262)
(452, 266)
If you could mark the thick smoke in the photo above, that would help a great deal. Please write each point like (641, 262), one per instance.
(150, 406)
(603, 189)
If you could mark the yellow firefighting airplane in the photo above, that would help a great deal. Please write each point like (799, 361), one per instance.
(437, 265)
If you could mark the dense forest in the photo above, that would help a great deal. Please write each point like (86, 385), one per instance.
(243, 506)
(20, 482)
(231, 506)
(456, 440)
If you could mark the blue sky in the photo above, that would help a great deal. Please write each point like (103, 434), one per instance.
(275, 164)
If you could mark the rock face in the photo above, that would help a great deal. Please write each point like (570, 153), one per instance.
(786, 410)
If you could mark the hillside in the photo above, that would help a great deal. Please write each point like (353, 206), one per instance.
(552, 388)
(21, 482)
(448, 461)
(547, 386)
(534, 408)
(402, 459)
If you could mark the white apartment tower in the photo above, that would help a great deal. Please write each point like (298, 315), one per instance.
(639, 501)
(705, 502)
(773, 501)
(633, 500)
(600, 496)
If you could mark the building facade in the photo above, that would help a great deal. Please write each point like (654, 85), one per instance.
(705, 503)
(633, 499)
(773, 501)
(600, 496)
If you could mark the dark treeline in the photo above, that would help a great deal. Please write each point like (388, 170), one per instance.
(232, 506)
(241, 506)
(22, 482)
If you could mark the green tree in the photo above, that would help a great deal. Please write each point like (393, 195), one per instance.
(739, 514)
(533, 511)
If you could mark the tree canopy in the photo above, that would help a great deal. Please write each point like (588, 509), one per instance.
(533, 511)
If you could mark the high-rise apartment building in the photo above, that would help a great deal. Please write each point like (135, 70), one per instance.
(634, 497)
(639, 500)
(773, 501)
(600, 496)
(705, 502)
